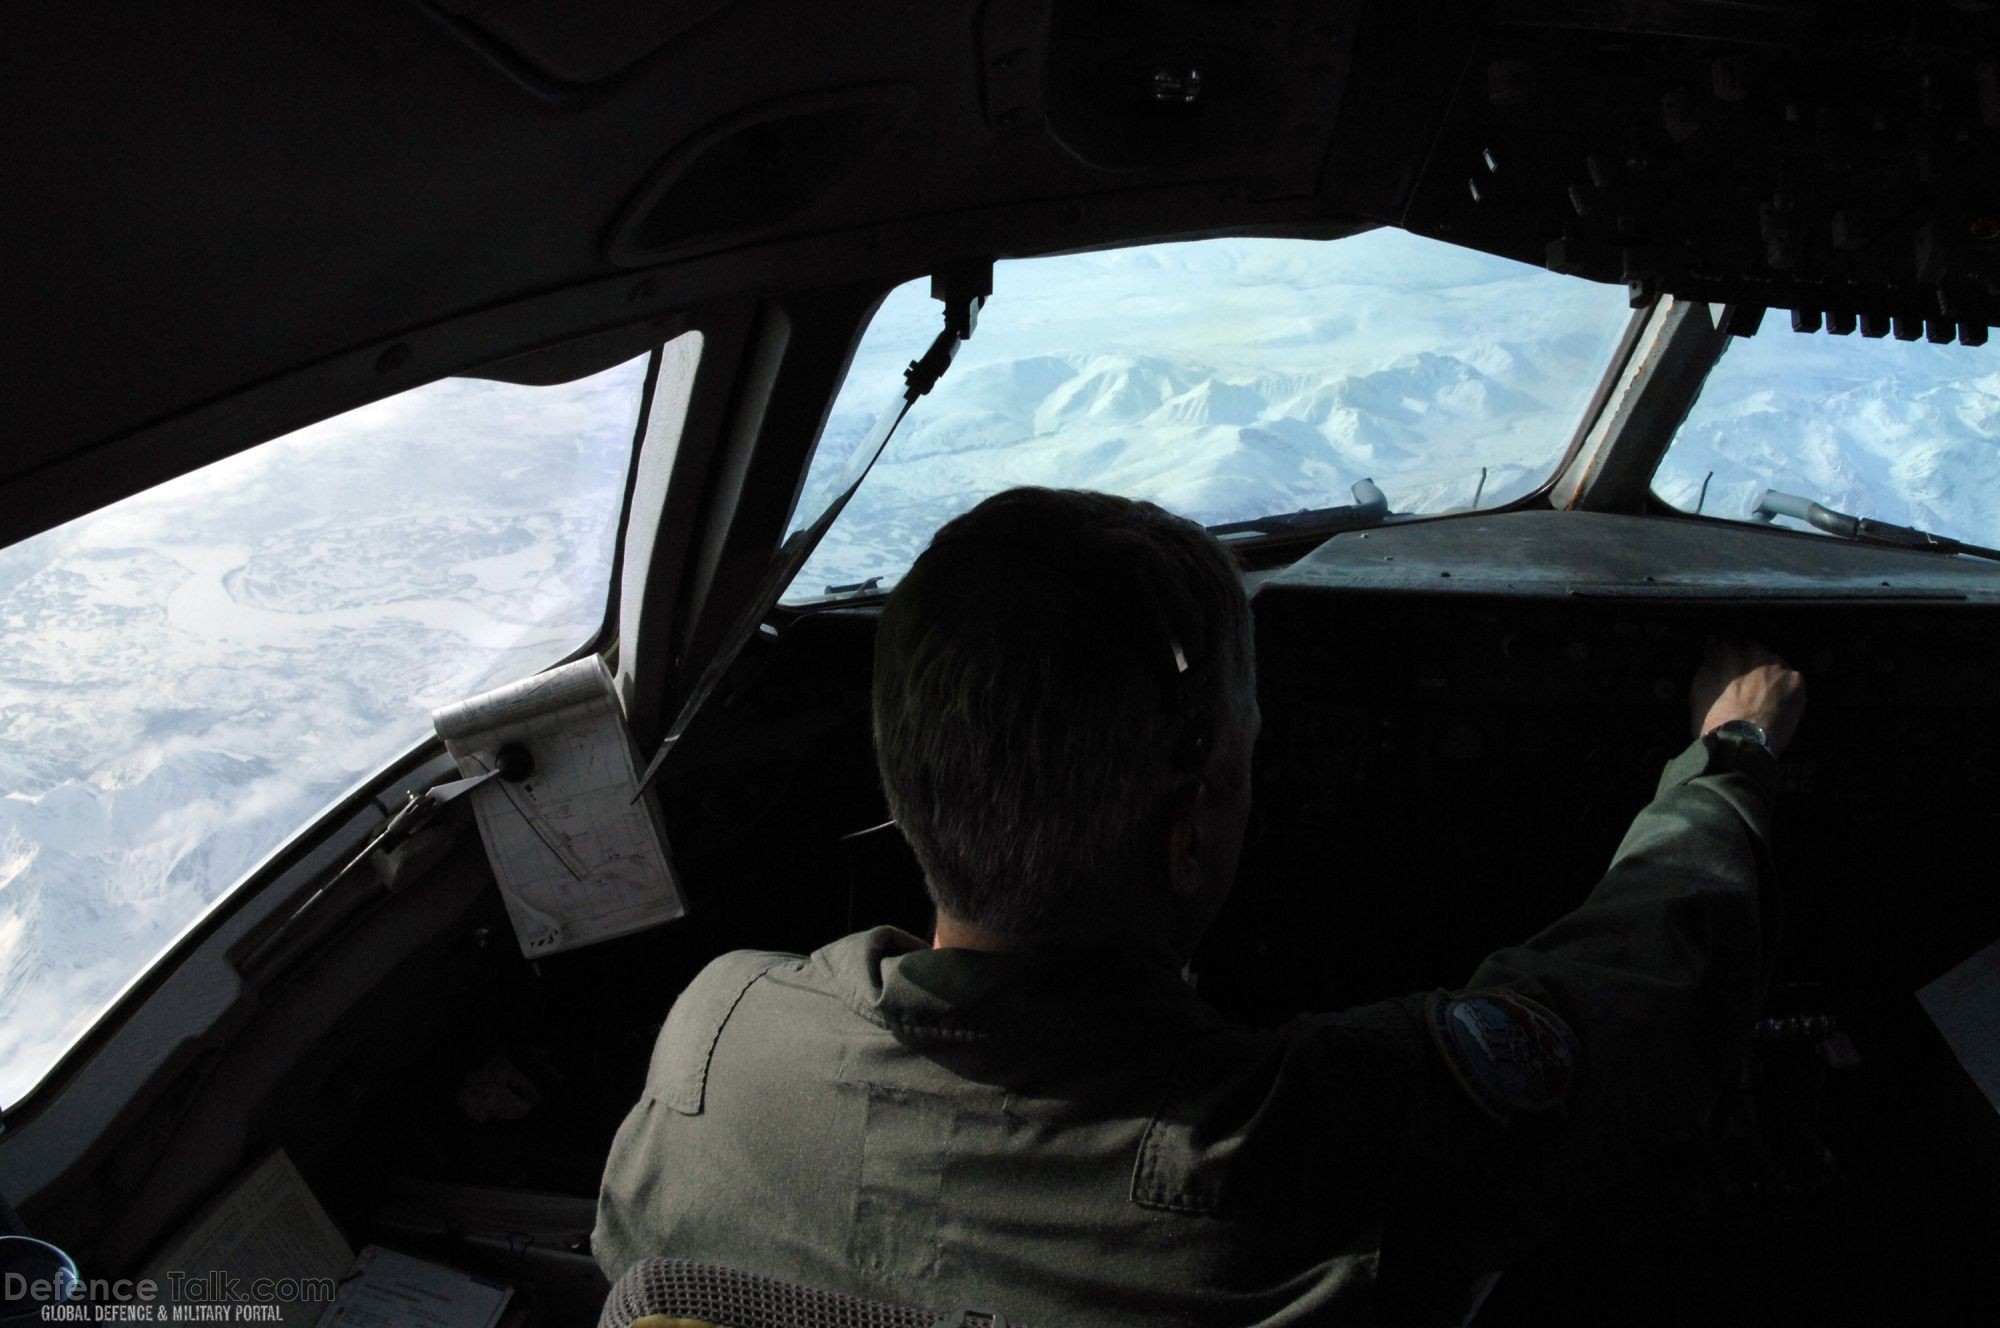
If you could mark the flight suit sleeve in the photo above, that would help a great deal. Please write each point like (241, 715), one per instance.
(1652, 981)
(1659, 971)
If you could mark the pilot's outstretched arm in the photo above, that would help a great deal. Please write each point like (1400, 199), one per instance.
(1579, 1052)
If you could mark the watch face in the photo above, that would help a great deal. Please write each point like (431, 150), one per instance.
(1743, 730)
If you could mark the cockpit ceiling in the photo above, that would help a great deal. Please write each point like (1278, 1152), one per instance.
(205, 199)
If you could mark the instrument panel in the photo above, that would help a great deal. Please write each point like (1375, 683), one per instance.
(1456, 775)
(1444, 771)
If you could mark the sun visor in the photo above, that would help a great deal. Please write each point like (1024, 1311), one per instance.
(582, 356)
(757, 170)
(572, 43)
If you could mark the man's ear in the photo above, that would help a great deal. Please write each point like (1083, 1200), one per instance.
(1184, 841)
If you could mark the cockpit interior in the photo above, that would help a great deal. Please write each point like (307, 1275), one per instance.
(1514, 348)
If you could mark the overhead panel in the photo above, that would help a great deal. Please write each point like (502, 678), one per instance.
(1841, 160)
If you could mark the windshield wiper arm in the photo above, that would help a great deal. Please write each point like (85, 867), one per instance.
(1863, 528)
(1369, 508)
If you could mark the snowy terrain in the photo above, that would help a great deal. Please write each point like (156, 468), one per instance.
(1903, 431)
(190, 677)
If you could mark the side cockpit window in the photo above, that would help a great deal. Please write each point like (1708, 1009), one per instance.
(191, 676)
(1900, 431)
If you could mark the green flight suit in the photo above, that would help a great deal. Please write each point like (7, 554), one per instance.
(1075, 1138)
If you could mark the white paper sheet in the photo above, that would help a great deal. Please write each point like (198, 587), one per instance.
(1965, 1006)
(391, 1290)
(268, 1225)
(577, 859)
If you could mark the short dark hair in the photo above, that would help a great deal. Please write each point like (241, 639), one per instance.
(1047, 676)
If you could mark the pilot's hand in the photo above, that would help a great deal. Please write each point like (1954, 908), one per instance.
(1747, 682)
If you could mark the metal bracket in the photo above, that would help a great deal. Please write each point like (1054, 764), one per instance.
(963, 288)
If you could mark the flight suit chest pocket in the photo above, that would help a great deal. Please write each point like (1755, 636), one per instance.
(1174, 1173)
(678, 1076)
(1194, 1143)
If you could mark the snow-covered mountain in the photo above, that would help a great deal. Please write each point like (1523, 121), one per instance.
(1903, 431)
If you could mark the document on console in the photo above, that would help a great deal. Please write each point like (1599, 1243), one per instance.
(1965, 1006)
(392, 1290)
(578, 860)
(267, 1229)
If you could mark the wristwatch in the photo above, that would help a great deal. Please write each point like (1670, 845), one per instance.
(1741, 730)
(1741, 745)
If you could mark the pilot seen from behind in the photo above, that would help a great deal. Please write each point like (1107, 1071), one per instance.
(1034, 1112)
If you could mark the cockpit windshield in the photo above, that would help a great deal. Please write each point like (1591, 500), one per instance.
(1226, 380)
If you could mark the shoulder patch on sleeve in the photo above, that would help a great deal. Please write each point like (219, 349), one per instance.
(1511, 1055)
(678, 1075)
